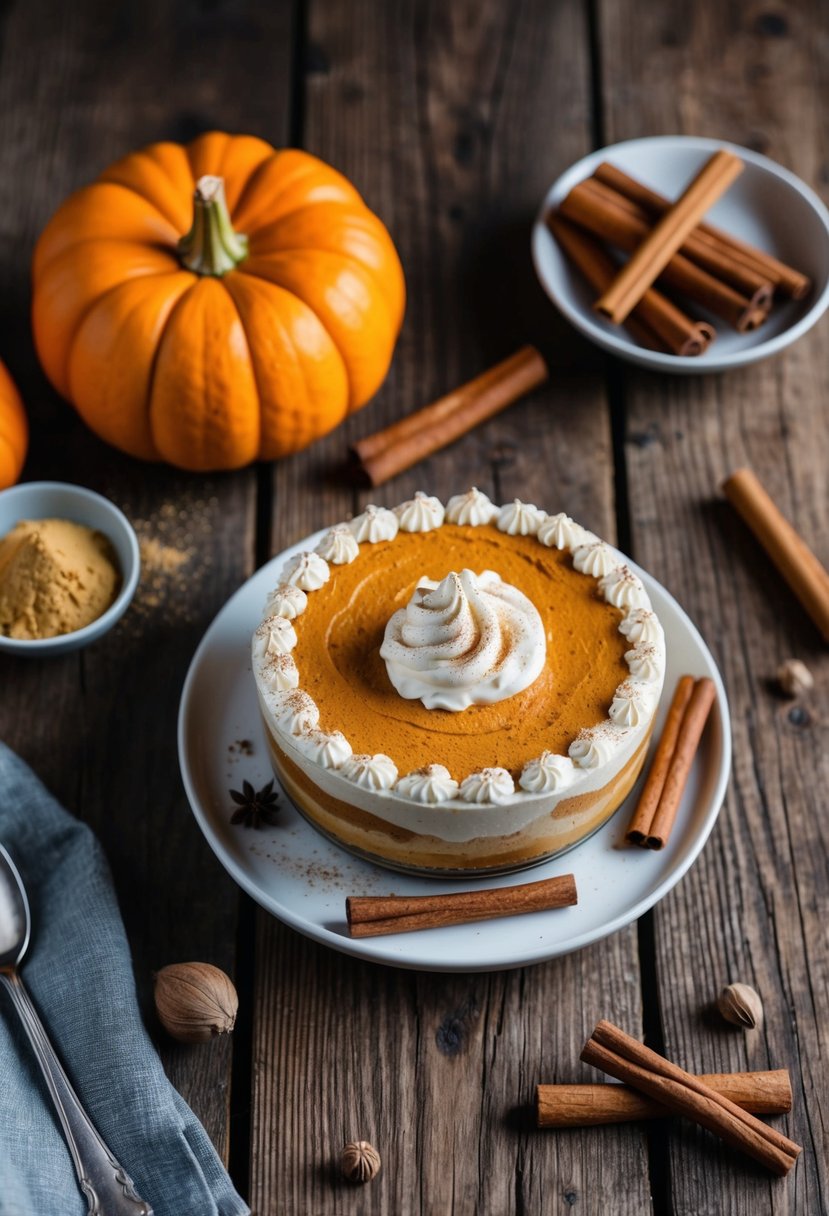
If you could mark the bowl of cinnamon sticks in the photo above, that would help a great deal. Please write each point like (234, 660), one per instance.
(684, 254)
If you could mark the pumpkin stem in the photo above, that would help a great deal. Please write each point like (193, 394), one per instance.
(211, 247)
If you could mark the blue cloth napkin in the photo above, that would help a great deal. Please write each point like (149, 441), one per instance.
(79, 975)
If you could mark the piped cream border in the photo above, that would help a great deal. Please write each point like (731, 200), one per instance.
(635, 699)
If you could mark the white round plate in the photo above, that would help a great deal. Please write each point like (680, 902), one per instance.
(303, 878)
(767, 206)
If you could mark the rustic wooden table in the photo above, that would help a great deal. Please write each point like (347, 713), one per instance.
(452, 119)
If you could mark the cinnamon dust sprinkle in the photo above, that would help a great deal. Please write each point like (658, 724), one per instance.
(176, 558)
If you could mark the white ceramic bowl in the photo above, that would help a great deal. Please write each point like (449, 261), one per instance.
(59, 500)
(766, 206)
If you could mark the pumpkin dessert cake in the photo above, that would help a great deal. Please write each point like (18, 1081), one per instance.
(461, 689)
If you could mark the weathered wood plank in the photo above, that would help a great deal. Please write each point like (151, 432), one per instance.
(428, 111)
(99, 725)
(754, 908)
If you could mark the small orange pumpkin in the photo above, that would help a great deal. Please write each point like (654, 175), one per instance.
(14, 431)
(216, 303)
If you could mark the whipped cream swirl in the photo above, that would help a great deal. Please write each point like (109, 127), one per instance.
(472, 508)
(641, 625)
(547, 773)
(431, 784)
(519, 518)
(595, 558)
(375, 524)
(308, 571)
(338, 546)
(562, 532)
(420, 514)
(493, 785)
(378, 772)
(286, 600)
(469, 640)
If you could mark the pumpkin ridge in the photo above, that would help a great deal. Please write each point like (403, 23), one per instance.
(264, 279)
(110, 175)
(350, 196)
(40, 266)
(347, 206)
(368, 271)
(170, 250)
(224, 166)
(156, 455)
(179, 304)
(88, 309)
(299, 437)
(189, 148)
(253, 369)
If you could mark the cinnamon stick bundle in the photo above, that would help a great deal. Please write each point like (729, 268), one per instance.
(655, 322)
(756, 287)
(656, 811)
(681, 1093)
(762, 1093)
(808, 579)
(663, 241)
(790, 281)
(372, 916)
(592, 209)
(399, 446)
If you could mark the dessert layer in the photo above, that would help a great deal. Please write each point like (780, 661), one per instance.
(572, 820)
(340, 634)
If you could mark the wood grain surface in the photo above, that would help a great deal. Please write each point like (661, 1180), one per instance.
(754, 908)
(452, 119)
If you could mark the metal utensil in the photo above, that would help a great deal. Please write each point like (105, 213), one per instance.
(108, 1187)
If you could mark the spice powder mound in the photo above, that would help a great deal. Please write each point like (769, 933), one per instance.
(56, 576)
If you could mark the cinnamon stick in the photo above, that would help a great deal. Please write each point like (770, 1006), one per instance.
(653, 255)
(640, 824)
(681, 1093)
(800, 568)
(372, 916)
(593, 210)
(676, 778)
(654, 322)
(762, 1093)
(790, 281)
(418, 435)
(718, 261)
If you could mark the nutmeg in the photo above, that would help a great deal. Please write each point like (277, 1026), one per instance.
(741, 1006)
(195, 1001)
(794, 678)
(359, 1161)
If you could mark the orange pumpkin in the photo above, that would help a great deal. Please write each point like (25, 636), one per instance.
(216, 303)
(14, 431)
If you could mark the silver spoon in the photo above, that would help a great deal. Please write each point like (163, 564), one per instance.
(108, 1187)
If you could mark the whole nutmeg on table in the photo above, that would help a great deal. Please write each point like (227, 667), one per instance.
(359, 1161)
(741, 1006)
(195, 1001)
(794, 678)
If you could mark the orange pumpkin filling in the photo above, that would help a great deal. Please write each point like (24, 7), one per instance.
(341, 631)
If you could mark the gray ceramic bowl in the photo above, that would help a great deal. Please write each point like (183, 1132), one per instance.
(58, 500)
(767, 206)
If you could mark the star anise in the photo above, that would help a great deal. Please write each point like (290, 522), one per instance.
(255, 807)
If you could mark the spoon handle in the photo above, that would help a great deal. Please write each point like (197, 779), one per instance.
(108, 1187)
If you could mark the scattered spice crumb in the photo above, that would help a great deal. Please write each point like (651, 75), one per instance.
(241, 747)
(176, 555)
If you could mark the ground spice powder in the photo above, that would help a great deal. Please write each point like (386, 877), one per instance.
(56, 576)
